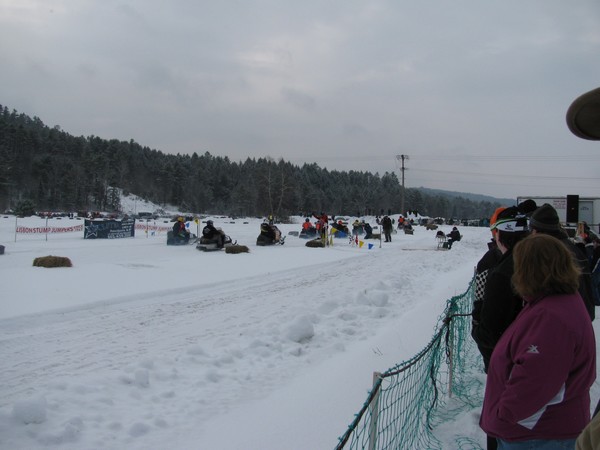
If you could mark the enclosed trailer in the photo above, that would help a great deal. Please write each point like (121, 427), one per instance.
(588, 209)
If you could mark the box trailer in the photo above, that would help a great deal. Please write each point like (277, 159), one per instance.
(589, 209)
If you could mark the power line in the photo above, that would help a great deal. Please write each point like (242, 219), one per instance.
(505, 175)
(456, 157)
(543, 158)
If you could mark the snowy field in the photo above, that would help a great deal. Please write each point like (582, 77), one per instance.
(141, 345)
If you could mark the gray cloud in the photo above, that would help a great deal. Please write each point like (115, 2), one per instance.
(298, 99)
(475, 93)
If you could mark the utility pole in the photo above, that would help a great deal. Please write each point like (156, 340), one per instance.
(402, 169)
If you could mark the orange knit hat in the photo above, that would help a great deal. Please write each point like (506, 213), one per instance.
(494, 217)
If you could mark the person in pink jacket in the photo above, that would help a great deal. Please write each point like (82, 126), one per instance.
(537, 394)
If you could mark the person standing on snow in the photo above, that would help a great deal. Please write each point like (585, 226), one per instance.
(387, 225)
(500, 304)
(544, 220)
(368, 230)
(323, 224)
(537, 393)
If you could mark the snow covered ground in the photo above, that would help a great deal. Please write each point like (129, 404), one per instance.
(145, 346)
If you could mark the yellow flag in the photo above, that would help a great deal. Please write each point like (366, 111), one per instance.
(360, 244)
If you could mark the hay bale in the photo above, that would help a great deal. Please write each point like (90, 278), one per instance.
(235, 249)
(52, 261)
(315, 243)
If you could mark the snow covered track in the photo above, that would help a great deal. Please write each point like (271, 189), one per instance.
(168, 339)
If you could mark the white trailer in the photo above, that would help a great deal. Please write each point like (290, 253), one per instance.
(589, 208)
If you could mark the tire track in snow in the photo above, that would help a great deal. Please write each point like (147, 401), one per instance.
(109, 336)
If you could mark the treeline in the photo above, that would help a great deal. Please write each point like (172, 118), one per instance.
(50, 169)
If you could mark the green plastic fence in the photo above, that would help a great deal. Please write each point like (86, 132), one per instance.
(409, 401)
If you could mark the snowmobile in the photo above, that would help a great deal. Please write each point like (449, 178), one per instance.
(308, 230)
(213, 238)
(269, 235)
(208, 245)
(309, 233)
(339, 230)
(178, 240)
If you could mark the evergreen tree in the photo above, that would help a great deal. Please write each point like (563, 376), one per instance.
(56, 171)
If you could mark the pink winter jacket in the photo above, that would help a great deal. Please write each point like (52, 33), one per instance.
(540, 373)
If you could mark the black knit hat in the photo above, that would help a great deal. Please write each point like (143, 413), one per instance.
(527, 207)
(545, 218)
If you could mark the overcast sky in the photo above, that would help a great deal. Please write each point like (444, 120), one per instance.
(474, 92)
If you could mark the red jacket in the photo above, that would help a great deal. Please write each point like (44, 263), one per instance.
(540, 373)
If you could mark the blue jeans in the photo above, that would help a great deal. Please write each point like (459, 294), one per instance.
(538, 444)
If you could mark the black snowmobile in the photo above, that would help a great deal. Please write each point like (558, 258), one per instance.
(208, 244)
(213, 238)
(269, 235)
(179, 234)
(179, 240)
(309, 232)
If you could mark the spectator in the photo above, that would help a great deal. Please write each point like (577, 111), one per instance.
(583, 119)
(388, 226)
(527, 207)
(487, 262)
(368, 230)
(453, 236)
(589, 439)
(545, 220)
(500, 305)
(541, 370)
(485, 265)
(357, 228)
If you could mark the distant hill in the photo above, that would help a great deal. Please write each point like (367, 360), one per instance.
(469, 196)
(48, 169)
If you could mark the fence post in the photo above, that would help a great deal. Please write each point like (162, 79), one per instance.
(374, 406)
(450, 358)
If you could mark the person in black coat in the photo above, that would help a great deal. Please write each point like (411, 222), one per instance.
(387, 225)
(453, 236)
(368, 231)
(500, 305)
(545, 220)
(269, 235)
(212, 233)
